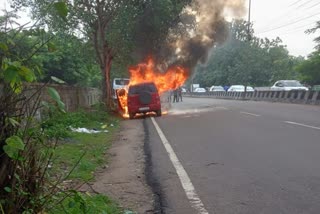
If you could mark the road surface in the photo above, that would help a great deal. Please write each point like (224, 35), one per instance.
(236, 157)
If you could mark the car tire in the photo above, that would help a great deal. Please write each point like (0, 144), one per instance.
(159, 113)
(131, 116)
(145, 98)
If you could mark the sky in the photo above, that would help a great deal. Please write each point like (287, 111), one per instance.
(287, 19)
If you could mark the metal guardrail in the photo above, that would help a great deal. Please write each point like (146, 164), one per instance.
(294, 96)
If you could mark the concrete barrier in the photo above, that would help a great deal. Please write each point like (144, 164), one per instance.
(294, 96)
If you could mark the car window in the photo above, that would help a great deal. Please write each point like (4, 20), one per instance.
(122, 82)
(150, 88)
(292, 84)
(136, 89)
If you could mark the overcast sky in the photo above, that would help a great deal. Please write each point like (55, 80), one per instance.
(287, 19)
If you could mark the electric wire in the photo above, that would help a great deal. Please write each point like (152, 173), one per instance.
(288, 24)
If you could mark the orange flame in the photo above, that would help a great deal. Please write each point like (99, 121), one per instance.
(172, 79)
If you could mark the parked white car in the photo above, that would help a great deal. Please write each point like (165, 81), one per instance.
(240, 88)
(288, 85)
(119, 83)
(216, 88)
(200, 90)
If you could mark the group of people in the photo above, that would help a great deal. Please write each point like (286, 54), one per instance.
(177, 95)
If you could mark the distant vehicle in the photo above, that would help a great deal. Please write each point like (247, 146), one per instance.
(200, 90)
(194, 87)
(288, 85)
(250, 89)
(119, 83)
(183, 90)
(216, 88)
(240, 88)
(143, 98)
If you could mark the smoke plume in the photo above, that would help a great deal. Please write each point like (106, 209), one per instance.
(191, 35)
(209, 28)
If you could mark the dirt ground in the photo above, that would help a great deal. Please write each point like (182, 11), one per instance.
(123, 179)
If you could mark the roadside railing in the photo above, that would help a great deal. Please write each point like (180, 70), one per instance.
(294, 96)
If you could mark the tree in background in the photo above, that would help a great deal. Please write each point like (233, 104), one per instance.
(73, 61)
(123, 31)
(93, 20)
(310, 69)
(258, 62)
(314, 30)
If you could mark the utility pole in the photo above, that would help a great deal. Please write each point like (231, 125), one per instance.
(249, 38)
(249, 20)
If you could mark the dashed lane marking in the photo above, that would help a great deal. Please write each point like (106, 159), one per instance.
(304, 125)
(187, 185)
(247, 113)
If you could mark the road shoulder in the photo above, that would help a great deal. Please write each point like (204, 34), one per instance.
(123, 179)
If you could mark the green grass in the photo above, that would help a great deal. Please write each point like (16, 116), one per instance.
(87, 204)
(91, 147)
(82, 154)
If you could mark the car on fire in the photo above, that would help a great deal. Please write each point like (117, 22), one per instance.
(143, 98)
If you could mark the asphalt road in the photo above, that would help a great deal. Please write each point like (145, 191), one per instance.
(241, 156)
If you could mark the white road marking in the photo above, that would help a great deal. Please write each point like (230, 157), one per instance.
(221, 107)
(300, 124)
(256, 115)
(187, 185)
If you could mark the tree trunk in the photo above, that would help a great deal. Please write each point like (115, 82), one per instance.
(106, 82)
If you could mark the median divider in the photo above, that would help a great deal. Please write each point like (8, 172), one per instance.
(294, 96)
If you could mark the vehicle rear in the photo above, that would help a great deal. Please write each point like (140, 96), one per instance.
(119, 83)
(143, 98)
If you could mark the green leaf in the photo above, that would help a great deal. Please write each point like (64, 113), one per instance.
(14, 122)
(3, 47)
(14, 145)
(54, 94)
(71, 204)
(57, 80)
(27, 74)
(61, 106)
(51, 47)
(61, 8)
(10, 74)
(7, 189)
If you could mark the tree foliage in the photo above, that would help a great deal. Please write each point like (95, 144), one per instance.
(310, 69)
(256, 62)
(121, 31)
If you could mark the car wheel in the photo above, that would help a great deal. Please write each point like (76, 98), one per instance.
(145, 98)
(159, 113)
(131, 116)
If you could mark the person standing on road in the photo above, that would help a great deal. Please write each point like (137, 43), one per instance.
(180, 94)
(175, 96)
(169, 96)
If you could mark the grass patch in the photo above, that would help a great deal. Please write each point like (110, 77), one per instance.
(87, 204)
(82, 153)
(91, 147)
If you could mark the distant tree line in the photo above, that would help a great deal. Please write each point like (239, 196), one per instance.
(248, 60)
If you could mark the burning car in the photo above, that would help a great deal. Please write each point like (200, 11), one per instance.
(143, 98)
(146, 85)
